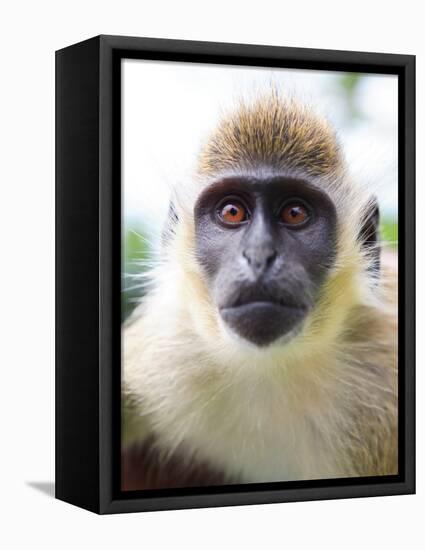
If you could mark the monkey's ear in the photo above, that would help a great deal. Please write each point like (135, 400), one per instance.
(169, 229)
(369, 234)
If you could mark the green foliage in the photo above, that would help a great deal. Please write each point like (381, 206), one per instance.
(349, 84)
(389, 232)
(135, 252)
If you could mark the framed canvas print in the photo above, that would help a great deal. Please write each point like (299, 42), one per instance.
(235, 274)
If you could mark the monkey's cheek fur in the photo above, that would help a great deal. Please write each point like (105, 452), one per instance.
(262, 323)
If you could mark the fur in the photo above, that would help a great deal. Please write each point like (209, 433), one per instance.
(321, 404)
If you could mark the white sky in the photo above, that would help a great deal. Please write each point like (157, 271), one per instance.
(169, 109)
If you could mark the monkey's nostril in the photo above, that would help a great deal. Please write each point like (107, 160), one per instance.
(271, 258)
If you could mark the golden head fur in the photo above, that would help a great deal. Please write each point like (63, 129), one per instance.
(273, 131)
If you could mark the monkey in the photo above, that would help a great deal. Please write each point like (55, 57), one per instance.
(266, 349)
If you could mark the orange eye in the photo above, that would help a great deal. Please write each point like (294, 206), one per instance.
(233, 212)
(294, 214)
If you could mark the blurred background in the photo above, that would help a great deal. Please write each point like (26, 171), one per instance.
(169, 109)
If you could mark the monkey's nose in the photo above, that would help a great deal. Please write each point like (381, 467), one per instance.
(260, 259)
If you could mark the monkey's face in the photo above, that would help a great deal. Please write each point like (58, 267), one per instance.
(265, 245)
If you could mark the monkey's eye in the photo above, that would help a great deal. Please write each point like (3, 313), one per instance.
(294, 213)
(232, 212)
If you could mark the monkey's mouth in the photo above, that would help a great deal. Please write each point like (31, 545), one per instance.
(261, 322)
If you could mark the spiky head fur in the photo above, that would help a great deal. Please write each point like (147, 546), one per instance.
(323, 403)
(272, 131)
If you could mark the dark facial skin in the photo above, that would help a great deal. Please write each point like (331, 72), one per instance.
(265, 246)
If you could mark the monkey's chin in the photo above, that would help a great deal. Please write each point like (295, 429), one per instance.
(263, 323)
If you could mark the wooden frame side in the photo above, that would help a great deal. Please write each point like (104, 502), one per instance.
(77, 279)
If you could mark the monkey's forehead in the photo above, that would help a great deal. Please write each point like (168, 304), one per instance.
(273, 132)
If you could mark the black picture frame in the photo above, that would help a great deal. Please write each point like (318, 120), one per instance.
(88, 248)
